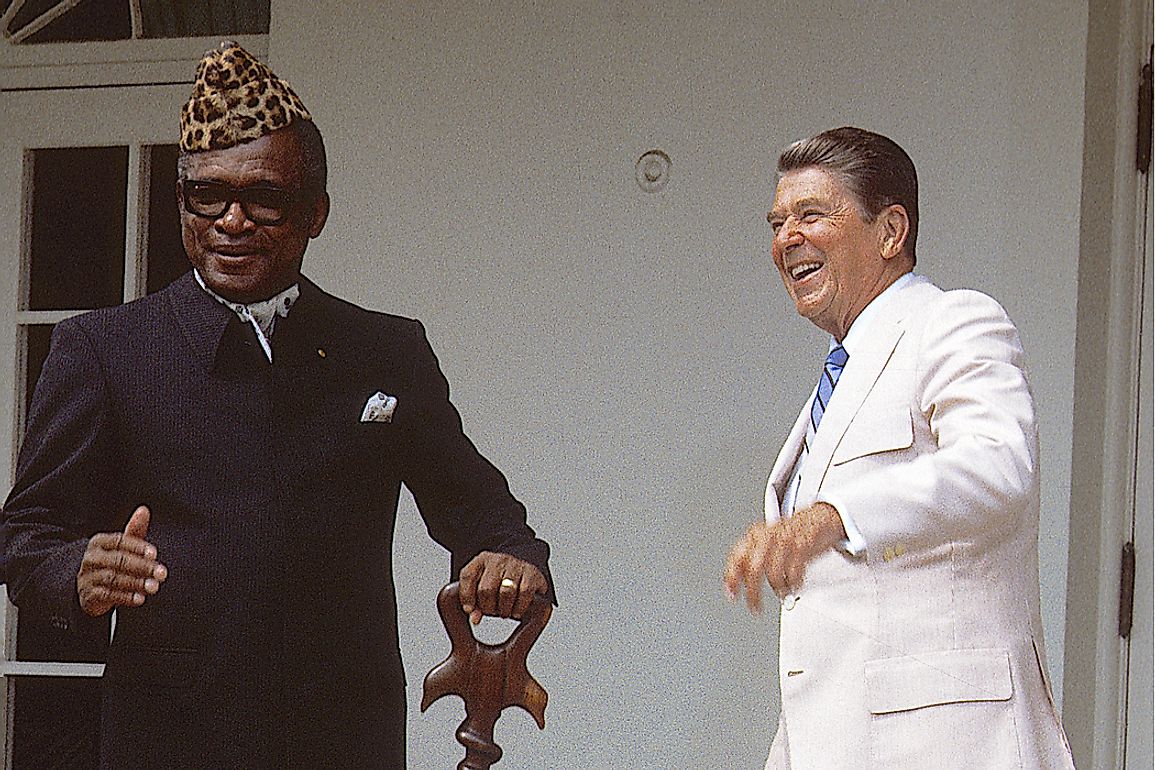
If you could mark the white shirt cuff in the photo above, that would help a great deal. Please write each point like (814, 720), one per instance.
(855, 543)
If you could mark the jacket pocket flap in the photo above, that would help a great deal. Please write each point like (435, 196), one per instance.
(877, 430)
(934, 678)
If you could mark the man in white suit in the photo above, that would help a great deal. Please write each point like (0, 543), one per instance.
(901, 519)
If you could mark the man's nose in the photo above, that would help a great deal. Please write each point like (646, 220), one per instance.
(788, 236)
(234, 219)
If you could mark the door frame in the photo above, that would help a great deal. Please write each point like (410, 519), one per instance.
(1108, 388)
(75, 95)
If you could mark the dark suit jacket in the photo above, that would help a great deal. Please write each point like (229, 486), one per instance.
(273, 643)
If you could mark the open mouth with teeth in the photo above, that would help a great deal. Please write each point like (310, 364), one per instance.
(804, 270)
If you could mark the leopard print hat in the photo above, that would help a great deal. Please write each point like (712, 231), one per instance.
(236, 99)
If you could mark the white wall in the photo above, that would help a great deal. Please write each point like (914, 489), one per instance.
(629, 359)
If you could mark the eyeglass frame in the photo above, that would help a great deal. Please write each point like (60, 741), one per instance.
(293, 200)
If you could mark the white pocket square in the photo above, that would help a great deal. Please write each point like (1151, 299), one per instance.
(379, 408)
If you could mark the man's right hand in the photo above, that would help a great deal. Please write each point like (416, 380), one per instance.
(119, 569)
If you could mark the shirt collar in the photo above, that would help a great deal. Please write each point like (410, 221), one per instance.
(856, 334)
(264, 313)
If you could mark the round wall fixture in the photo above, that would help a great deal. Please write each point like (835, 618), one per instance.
(652, 170)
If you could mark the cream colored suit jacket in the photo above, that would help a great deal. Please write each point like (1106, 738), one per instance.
(926, 651)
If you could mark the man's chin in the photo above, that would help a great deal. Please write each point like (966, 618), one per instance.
(814, 309)
(808, 305)
(233, 287)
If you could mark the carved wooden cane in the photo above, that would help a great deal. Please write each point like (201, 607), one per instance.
(487, 677)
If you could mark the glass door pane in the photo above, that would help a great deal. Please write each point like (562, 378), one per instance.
(165, 259)
(56, 723)
(79, 204)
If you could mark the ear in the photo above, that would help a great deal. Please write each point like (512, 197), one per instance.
(320, 215)
(895, 227)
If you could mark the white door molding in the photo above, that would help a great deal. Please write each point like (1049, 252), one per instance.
(1107, 383)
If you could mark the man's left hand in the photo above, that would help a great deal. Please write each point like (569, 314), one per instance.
(780, 552)
(500, 585)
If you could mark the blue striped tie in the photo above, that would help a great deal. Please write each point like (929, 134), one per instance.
(830, 374)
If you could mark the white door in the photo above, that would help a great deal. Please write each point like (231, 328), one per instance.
(1140, 713)
(87, 218)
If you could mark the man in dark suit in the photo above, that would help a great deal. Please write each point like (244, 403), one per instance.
(221, 462)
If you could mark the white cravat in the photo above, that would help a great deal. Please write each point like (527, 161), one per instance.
(263, 315)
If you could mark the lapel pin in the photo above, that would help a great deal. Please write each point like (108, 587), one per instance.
(321, 352)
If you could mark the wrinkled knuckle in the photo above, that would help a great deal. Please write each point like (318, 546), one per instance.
(127, 582)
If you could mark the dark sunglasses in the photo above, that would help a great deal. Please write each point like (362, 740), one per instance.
(262, 205)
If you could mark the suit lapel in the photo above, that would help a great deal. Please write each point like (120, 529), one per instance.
(322, 362)
(857, 380)
(780, 474)
(201, 319)
(300, 339)
(312, 365)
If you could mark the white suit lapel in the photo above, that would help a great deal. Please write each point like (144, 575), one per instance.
(857, 380)
(781, 473)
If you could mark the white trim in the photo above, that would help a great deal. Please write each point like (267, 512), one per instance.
(1105, 425)
(36, 317)
(137, 19)
(134, 205)
(41, 21)
(92, 117)
(24, 250)
(9, 14)
(37, 668)
(118, 62)
(1123, 351)
(8, 647)
(14, 256)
